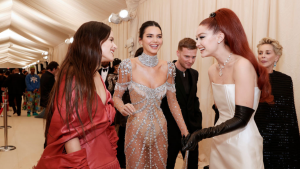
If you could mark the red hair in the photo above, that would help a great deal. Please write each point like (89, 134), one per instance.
(226, 21)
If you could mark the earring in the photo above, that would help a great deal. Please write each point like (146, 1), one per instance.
(219, 42)
(275, 64)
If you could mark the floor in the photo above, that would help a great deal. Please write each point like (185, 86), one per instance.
(27, 135)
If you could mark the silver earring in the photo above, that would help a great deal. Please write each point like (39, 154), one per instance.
(219, 42)
(275, 64)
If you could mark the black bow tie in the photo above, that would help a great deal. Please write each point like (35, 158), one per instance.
(104, 70)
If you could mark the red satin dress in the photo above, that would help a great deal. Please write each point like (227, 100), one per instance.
(98, 147)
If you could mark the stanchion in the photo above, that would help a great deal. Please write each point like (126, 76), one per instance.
(4, 107)
(5, 95)
(6, 147)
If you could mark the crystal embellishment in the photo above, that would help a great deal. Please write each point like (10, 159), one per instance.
(147, 60)
(223, 66)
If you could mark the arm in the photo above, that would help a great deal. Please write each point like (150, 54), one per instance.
(172, 100)
(244, 77)
(72, 145)
(124, 79)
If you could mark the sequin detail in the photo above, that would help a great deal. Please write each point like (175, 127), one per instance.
(146, 139)
(278, 125)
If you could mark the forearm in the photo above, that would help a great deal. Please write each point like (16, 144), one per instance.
(241, 118)
(225, 127)
(176, 112)
(180, 122)
(72, 145)
(118, 102)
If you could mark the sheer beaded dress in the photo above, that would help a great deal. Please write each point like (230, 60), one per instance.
(146, 139)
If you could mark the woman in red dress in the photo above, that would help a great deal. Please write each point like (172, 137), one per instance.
(80, 110)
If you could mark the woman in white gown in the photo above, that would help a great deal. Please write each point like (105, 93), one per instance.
(238, 84)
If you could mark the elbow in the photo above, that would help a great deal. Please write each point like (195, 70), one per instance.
(242, 123)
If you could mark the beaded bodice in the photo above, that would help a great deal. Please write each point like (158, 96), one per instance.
(141, 93)
(146, 130)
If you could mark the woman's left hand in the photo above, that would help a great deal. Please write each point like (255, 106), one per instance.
(185, 139)
(192, 141)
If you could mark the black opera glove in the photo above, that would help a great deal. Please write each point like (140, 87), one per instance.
(241, 118)
(185, 139)
(217, 113)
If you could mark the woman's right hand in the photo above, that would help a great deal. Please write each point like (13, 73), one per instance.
(127, 110)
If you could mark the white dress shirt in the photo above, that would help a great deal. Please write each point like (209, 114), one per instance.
(104, 73)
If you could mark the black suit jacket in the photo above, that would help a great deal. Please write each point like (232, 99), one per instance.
(110, 70)
(15, 83)
(47, 82)
(190, 107)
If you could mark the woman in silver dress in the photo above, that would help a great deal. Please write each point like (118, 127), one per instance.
(148, 80)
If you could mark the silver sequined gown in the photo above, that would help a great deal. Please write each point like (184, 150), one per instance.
(146, 139)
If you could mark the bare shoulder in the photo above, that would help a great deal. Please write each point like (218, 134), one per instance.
(243, 65)
(163, 64)
(133, 62)
(243, 70)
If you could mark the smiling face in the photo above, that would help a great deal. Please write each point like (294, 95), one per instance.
(267, 56)
(152, 40)
(108, 48)
(207, 40)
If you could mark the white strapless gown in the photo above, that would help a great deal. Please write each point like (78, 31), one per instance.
(242, 148)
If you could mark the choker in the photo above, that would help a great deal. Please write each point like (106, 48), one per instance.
(147, 60)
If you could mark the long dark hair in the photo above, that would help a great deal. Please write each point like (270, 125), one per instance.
(139, 52)
(82, 60)
(226, 21)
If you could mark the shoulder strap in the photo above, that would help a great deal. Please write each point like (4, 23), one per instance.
(171, 69)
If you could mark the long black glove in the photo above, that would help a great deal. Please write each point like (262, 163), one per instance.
(217, 113)
(241, 118)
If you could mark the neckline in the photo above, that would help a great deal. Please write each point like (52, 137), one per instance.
(149, 87)
(131, 80)
(106, 102)
(222, 84)
(228, 84)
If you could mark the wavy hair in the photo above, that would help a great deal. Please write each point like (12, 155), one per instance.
(82, 61)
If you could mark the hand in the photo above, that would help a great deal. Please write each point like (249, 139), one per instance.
(193, 140)
(127, 109)
(185, 139)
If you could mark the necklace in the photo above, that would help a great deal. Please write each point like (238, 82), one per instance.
(147, 60)
(222, 67)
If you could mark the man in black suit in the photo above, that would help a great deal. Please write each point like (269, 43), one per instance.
(104, 71)
(186, 93)
(16, 87)
(46, 85)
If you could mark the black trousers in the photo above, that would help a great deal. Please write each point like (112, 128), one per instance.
(18, 98)
(173, 149)
(120, 150)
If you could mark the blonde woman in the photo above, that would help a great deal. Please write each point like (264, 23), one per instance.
(278, 123)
